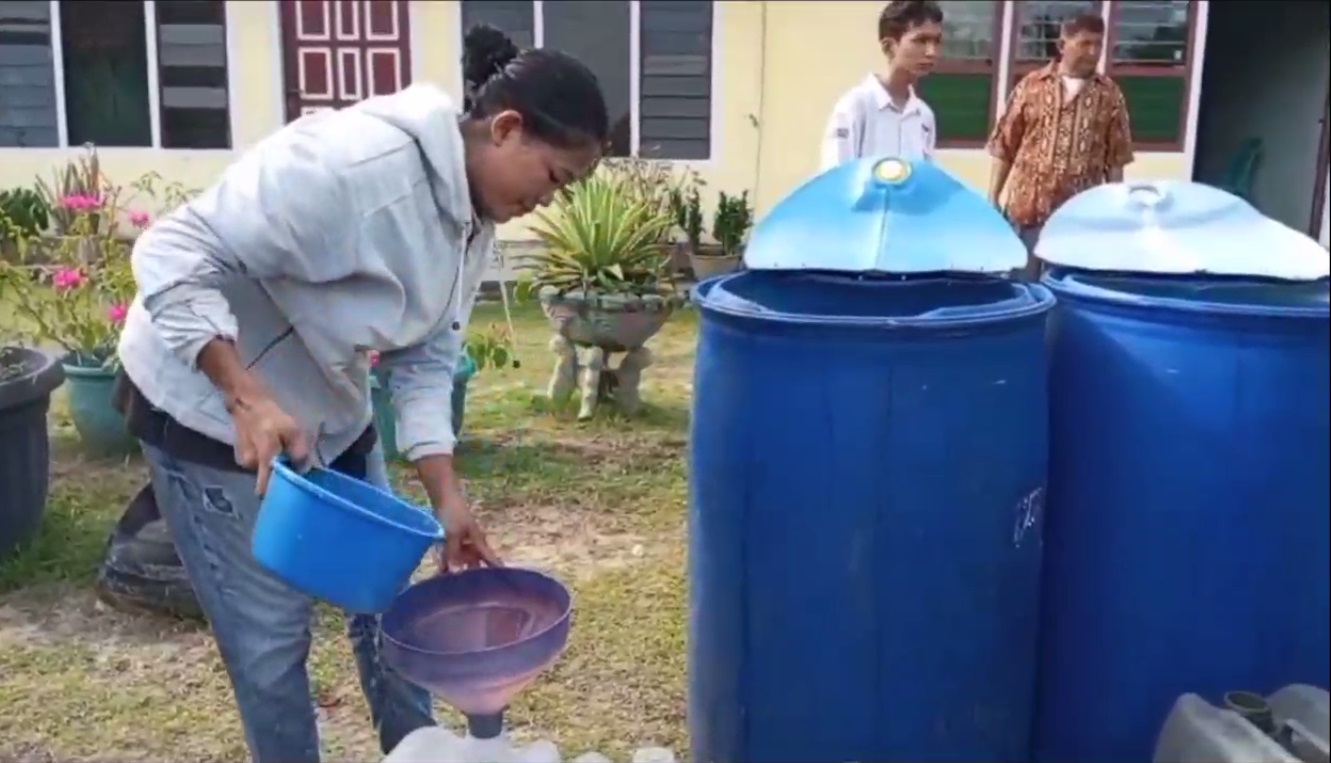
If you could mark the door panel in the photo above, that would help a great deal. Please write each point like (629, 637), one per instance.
(338, 52)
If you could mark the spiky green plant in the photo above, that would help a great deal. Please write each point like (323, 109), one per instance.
(600, 237)
(733, 219)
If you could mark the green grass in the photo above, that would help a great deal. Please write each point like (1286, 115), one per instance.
(599, 503)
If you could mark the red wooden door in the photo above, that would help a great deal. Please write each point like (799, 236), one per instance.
(337, 52)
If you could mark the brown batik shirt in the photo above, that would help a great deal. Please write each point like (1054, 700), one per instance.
(1058, 145)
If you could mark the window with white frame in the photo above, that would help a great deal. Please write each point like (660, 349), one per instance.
(665, 45)
(1149, 55)
(962, 89)
(124, 73)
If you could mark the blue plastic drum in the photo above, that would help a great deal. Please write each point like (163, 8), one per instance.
(867, 467)
(1187, 539)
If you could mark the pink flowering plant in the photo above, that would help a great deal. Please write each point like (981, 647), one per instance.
(78, 308)
(72, 284)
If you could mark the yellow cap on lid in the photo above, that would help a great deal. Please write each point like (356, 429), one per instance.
(892, 170)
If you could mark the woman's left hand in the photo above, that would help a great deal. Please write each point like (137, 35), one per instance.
(465, 546)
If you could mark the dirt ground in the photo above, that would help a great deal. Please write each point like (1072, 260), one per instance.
(599, 504)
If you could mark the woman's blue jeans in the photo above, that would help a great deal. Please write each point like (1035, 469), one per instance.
(262, 625)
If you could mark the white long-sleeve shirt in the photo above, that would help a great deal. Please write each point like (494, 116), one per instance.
(865, 122)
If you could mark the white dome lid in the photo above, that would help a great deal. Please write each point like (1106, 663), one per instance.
(1176, 227)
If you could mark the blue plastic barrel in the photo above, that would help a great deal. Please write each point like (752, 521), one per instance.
(867, 467)
(1187, 540)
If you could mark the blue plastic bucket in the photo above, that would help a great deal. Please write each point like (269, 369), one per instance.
(339, 539)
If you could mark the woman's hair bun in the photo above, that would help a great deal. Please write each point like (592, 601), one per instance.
(485, 53)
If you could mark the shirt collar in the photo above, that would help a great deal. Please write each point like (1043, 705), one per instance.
(884, 101)
(1050, 72)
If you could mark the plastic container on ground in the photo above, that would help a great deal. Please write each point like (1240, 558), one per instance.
(867, 465)
(1290, 726)
(435, 744)
(1187, 539)
(385, 418)
(340, 539)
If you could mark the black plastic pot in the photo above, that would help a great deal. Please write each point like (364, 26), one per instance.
(27, 379)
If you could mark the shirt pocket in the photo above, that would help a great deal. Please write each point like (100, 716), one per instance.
(912, 139)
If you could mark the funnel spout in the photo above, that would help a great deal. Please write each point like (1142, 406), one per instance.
(486, 726)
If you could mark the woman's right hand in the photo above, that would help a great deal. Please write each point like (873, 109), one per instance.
(263, 432)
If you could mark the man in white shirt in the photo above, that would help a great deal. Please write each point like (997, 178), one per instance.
(882, 116)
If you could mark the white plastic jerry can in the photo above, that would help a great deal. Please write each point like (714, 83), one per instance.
(1290, 726)
(435, 744)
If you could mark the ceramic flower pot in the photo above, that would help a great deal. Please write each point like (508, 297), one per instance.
(614, 322)
(708, 261)
(100, 426)
(679, 257)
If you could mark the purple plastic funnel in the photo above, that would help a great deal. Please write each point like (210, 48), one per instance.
(477, 638)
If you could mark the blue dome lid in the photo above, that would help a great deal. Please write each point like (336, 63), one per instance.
(1176, 227)
(885, 215)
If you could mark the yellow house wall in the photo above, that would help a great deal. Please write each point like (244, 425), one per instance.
(254, 56)
(777, 78)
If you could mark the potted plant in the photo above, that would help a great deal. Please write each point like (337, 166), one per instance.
(686, 207)
(77, 300)
(78, 199)
(730, 226)
(492, 348)
(602, 278)
(83, 205)
(679, 190)
(27, 379)
(80, 309)
(24, 215)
